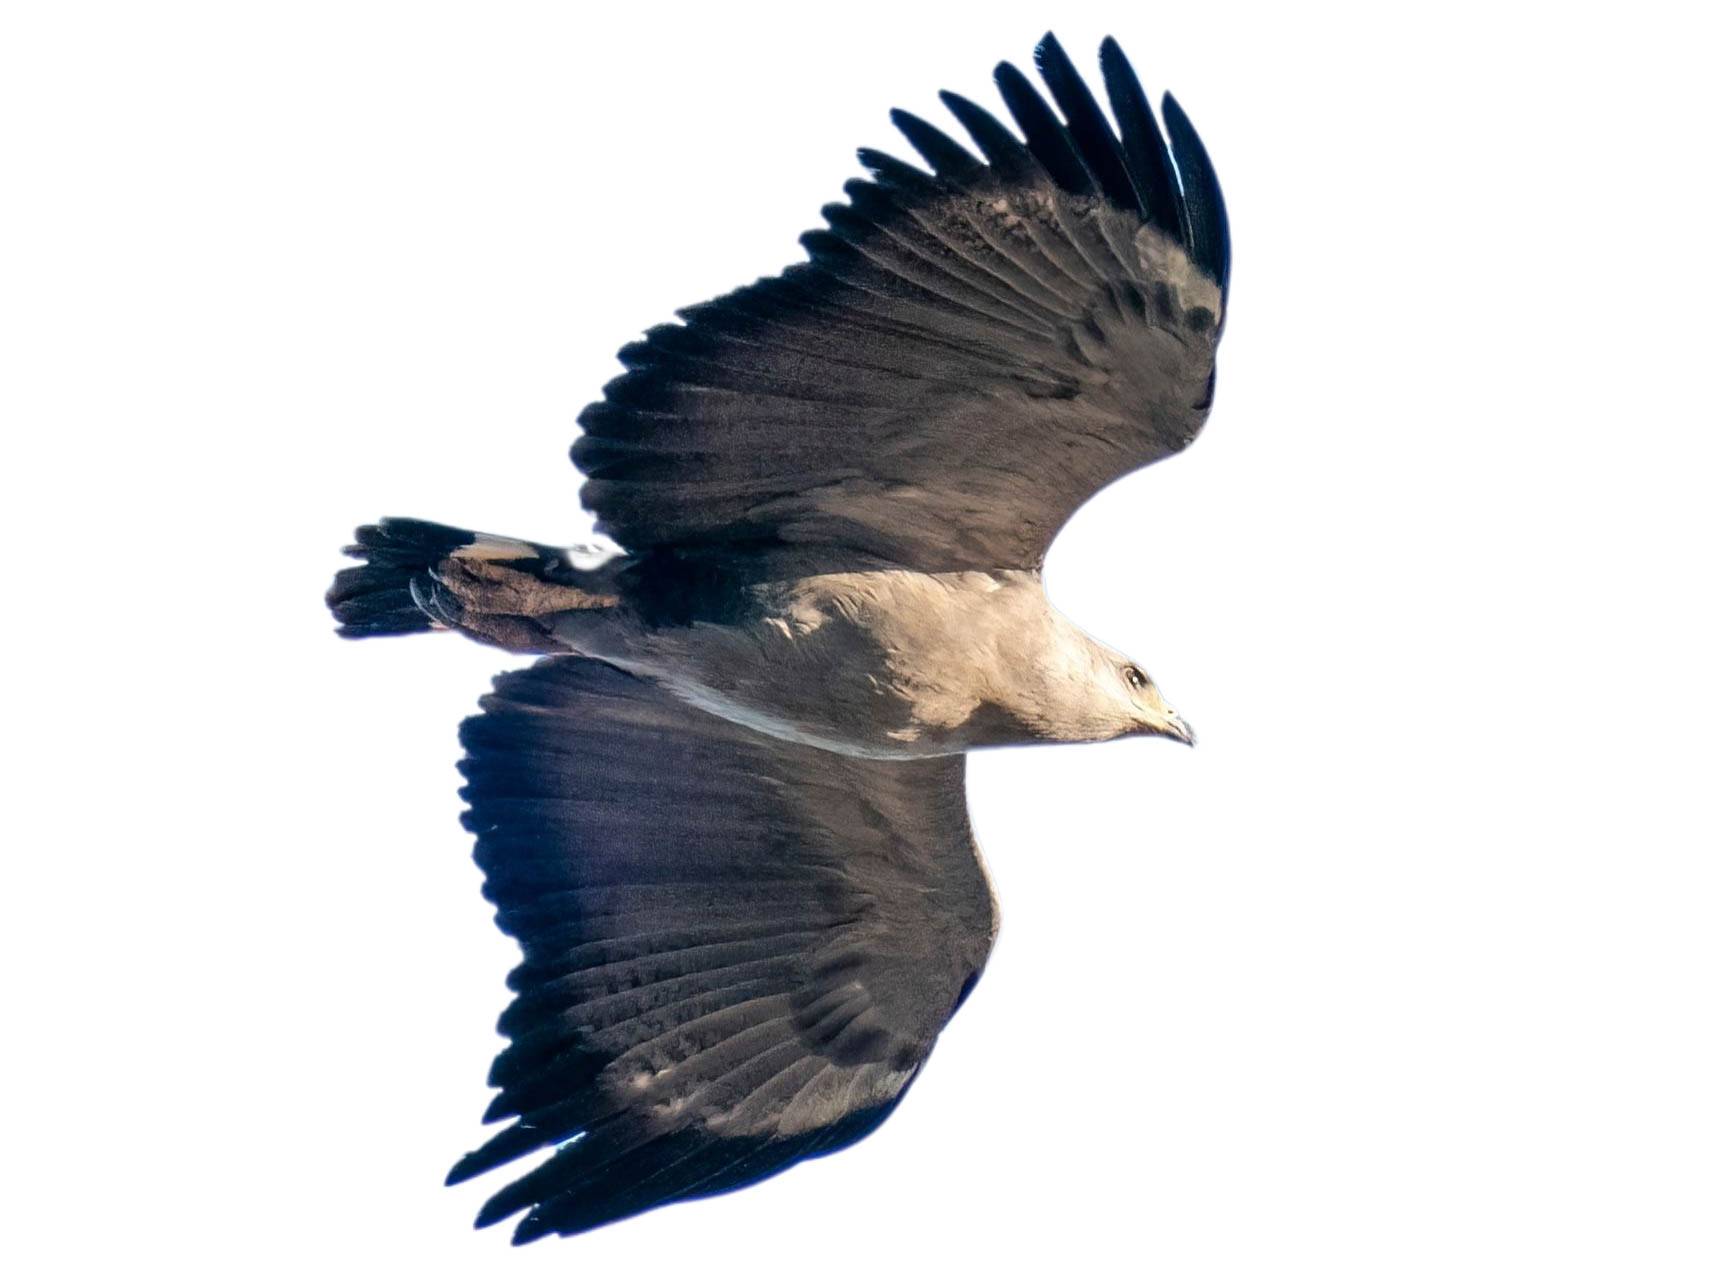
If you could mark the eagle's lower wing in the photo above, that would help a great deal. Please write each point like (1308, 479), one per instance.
(966, 358)
(737, 951)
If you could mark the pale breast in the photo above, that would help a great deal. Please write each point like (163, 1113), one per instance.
(894, 664)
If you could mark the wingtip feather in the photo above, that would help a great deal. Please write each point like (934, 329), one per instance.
(1208, 236)
(939, 149)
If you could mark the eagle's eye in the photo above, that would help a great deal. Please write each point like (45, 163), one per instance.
(1136, 678)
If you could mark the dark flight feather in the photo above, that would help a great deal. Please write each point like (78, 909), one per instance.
(947, 159)
(1010, 159)
(1206, 233)
(1146, 153)
(1046, 136)
(1090, 133)
(897, 174)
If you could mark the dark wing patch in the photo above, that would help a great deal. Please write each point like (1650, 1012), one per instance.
(971, 351)
(737, 951)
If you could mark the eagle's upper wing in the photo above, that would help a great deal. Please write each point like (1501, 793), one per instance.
(966, 358)
(737, 951)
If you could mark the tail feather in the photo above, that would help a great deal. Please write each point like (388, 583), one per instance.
(374, 598)
(418, 576)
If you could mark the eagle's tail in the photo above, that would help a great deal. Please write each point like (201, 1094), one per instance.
(416, 576)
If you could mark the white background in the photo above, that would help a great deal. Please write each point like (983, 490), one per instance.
(1402, 976)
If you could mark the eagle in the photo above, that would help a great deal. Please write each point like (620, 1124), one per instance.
(723, 815)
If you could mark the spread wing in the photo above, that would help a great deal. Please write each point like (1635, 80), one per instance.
(737, 951)
(967, 356)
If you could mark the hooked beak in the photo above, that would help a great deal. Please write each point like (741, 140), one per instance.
(1178, 729)
(1161, 720)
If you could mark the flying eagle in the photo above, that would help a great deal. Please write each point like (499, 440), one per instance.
(724, 815)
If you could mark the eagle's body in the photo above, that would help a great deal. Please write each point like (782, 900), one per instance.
(724, 817)
(889, 663)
